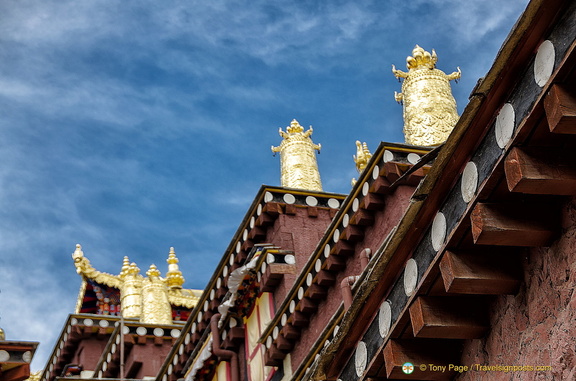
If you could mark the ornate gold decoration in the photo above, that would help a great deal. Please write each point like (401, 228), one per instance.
(361, 158)
(156, 308)
(298, 165)
(174, 277)
(429, 108)
(147, 299)
(2, 335)
(35, 376)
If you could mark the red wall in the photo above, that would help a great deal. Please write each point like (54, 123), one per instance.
(536, 327)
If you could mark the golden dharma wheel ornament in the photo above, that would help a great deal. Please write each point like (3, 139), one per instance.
(298, 165)
(429, 108)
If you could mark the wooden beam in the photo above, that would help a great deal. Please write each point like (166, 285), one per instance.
(335, 263)
(445, 317)
(372, 201)
(440, 353)
(362, 217)
(541, 171)
(489, 272)
(352, 233)
(515, 224)
(560, 107)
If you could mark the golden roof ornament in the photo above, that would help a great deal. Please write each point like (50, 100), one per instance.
(361, 158)
(174, 277)
(298, 165)
(146, 298)
(428, 105)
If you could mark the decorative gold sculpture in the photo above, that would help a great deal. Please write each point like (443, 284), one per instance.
(429, 108)
(361, 158)
(298, 164)
(148, 299)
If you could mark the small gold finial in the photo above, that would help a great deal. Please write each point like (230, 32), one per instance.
(298, 165)
(2, 335)
(362, 156)
(429, 108)
(174, 277)
(153, 272)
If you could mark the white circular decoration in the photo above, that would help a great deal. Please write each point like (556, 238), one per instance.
(289, 259)
(318, 265)
(268, 197)
(336, 235)
(300, 293)
(269, 342)
(275, 332)
(141, 331)
(224, 335)
(181, 349)
(113, 348)
(327, 251)
(292, 306)
(355, 205)
(74, 321)
(105, 366)
(88, 322)
(336, 329)
(289, 199)
(438, 231)
(194, 327)
(158, 332)
(365, 188)
(309, 279)
(384, 319)
(238, 247)
(175, 360)
(170, 369)
(252, 222)
(245, 235)
(410, 276)
(270, 258)
(103, 323)
(284, 319)
(388, 156)
(109, 357)
(360, 358)
(259, 210)
(413, 158)
(544, 63)
(212, 294)
(4, 355)
(469, 181)
(232, 323)
(199, 317)
(263, 267)
(225, 272)
(187, 339)
(206, 305)
(345, 221)
(376, 172)
(118, 340)
(312, 201)
(504, 128)
(165, 377)
(333, 203)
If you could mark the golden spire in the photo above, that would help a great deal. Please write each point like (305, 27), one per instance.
(297, 160)
(429, 107)
(174, 277)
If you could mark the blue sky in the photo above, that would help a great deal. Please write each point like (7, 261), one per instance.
(133, 126)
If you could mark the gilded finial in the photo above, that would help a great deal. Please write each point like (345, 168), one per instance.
(298, 165)
(174, 277)
(429, 108)
(2, 335)
(362, 156)
(153, 272)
